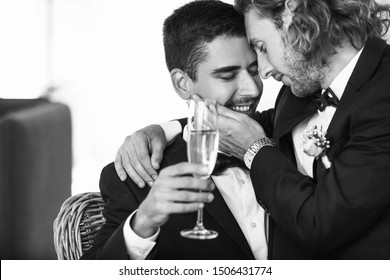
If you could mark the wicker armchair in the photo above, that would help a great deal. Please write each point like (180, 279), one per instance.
(76, 225)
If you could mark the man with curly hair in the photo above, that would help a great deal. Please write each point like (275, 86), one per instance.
(326, 183)
(337, 202)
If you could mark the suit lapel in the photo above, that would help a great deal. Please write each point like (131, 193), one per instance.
(291, 110)
(218, 209)
(364, 70)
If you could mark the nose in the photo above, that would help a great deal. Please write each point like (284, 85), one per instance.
(265, 67)
(248, 86)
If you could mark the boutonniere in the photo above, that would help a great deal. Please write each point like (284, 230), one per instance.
(315, 144)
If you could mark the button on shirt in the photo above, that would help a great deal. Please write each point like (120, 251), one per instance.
(236, 188)
(321, 119)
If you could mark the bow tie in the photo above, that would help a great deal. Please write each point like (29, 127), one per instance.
(224, 161)
(328, 98)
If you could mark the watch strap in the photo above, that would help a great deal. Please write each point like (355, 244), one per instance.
(255, 148)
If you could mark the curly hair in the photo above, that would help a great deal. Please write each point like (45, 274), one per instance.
(320, 26)
(187, 31)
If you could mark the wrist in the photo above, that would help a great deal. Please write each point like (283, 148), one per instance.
(252, 151)
(140, 225)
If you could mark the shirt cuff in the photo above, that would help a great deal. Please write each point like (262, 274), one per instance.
(137, 247)
(171, 130)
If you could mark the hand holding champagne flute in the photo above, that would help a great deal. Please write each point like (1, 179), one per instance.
(202, 147)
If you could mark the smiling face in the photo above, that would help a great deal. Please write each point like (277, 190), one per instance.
(229, 74)
(277, 59)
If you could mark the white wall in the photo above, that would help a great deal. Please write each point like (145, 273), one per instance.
(23, 48)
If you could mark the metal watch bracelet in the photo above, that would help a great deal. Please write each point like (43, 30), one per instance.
(255, 148)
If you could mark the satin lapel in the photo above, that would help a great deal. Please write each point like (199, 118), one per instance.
(364, 70)
(174, 153)
(290, 111)
(220, 212)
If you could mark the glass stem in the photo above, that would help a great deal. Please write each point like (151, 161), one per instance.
(199, 220)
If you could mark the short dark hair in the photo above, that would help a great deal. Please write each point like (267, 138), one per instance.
(319, 27)
(187, 31)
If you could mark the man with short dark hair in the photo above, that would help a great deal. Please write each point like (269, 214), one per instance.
(207, 55)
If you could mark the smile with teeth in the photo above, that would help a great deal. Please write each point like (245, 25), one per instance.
(244, 108)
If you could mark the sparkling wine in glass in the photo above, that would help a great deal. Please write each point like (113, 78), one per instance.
(202, 148)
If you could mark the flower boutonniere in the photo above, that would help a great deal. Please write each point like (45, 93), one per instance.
(315, 144)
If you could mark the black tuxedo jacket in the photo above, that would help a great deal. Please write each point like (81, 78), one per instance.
(344, 211)
(122, 198)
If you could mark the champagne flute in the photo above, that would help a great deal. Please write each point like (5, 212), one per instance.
(202, 147)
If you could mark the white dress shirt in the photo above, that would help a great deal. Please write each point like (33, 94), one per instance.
(236, 188)
(321, 119)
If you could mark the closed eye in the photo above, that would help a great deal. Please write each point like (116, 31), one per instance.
(228, 77)
(227, 73)
(253, 69)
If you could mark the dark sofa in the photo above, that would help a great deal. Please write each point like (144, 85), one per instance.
(35, 175)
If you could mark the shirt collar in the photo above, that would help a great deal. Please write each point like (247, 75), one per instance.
(340, 82)
(185, 133)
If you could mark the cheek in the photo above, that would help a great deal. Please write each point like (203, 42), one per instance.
(259, 84)
(218, 90)
(276, 55)
(277, 60)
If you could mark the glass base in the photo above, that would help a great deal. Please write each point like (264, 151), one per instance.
(199, 233)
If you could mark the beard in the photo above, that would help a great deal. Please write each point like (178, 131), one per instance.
(306, 75)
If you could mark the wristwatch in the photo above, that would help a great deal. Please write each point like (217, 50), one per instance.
(255, 148)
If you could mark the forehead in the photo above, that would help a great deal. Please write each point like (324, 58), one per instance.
(227, 51)
(260, 28)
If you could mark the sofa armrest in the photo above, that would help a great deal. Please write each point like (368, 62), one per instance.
(35, 176)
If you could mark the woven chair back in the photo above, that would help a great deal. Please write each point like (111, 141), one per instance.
(76, 225)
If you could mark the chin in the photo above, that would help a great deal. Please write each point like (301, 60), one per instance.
(300, 92)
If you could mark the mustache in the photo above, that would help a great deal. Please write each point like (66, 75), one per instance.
(244, 100)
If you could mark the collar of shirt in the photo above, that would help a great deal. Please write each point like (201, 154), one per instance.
(340, 82)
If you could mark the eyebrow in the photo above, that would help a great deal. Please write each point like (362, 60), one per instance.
(253, 63)
(232, 68)
(225, 69)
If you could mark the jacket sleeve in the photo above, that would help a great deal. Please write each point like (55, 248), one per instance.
(121, 199)
(344, 201)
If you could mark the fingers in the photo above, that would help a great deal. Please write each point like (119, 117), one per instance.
(225, 112)
(191, 197)
(191, 183)
(141, 163)
(178, 208)
(135, 161)
(173, 192)
(157, 154)
(183, 200)
(185, 168)
(118, 167)
(131, 172)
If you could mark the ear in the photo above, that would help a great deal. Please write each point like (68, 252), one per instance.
(182, 84)
(290, 5)
(288, 14)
